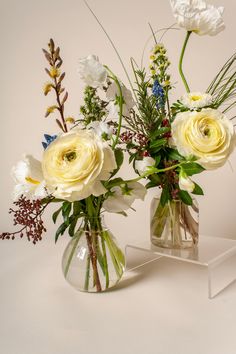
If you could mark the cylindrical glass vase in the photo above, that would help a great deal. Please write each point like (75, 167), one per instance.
(92, 261)
(174, 225)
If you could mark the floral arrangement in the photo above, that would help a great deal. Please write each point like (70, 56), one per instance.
(180, 139)
(167, 144)
(78, 170)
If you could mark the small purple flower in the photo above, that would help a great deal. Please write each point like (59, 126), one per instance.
(49, 139)
(159, 93)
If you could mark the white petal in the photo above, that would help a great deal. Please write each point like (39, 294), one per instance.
(115, 204)
(142, 165)
(138, 190)
(92, 71)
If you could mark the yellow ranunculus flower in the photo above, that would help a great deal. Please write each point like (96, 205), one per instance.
(75, 163)
(207, 134)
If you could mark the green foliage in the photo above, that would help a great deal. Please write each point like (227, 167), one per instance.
(197, 190)
(223, 87)
(56, 214)
(93, 108)
(185, 197)
(119, 156)
(192, 168)
(149, 118)
(71, 213)
(174, 155)
(165, 195)
(60, 231)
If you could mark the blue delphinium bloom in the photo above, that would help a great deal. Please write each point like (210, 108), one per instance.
(159, 93)
(49, 139)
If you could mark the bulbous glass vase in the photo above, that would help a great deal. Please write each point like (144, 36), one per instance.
(174, 225)
(92, 261)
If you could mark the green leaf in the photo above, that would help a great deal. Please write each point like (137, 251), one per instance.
(60, 231)
(165, 196)
(150, 184)
(77, 208)
(158, 132)
(157, 159)
(72, 226)
(66, 208)
(114, 182)
(155, 178)
(55, 215)
(174, 155)
(192, 168)
(185, 197)
(132, 157)
(119, 156)
(158, 143)
(197, 190)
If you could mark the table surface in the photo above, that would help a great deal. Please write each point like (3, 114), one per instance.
(160, 308)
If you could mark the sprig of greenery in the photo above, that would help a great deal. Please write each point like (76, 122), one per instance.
(93, 108)
(223, 86)
(149, 117)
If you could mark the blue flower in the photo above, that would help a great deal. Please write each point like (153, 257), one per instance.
(49, 139)
(159, 93)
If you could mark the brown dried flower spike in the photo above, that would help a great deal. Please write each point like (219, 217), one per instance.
(54, 72)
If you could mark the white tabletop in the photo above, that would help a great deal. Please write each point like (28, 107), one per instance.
(161, 308)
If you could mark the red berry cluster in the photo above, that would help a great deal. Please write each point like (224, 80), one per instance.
(126, 137)
(28, 214)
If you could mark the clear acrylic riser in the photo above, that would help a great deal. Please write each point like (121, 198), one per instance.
(217, 255)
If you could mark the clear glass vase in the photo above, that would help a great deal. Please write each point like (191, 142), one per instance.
(174, 225)
(92, 261)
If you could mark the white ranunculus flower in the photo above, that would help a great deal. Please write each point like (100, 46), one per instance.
(185, 183)
(195, 100)
(142, 165)
(101, 128)
(29, 179)
(113, 92)
(75, 163)
(124, 196)
(207, 134)
(92, 71)
(198, 16)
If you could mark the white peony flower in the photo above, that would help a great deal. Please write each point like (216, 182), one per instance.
(142, 165)
(207, 134)
(29, 179)
(195, 100)
(124, 196)
(185, 183)
(92, 71)
(75, 163)
(113, 92)
(101, 128)
(198, 16)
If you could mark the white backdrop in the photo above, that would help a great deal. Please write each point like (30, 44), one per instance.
(26, 27)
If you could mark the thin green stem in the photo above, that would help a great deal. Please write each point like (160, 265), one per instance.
(72, 252)
(156, 170)
(105, 260)
(113, 45)
(181, 61)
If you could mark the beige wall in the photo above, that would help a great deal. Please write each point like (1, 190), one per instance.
(25, 28)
